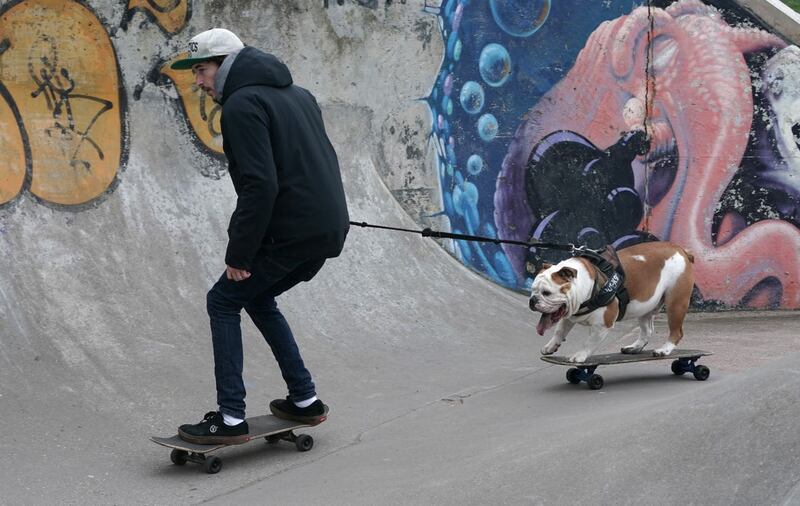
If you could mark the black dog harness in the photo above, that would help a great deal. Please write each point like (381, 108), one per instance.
(614, 286)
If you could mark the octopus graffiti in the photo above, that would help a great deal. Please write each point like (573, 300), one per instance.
(675, 121)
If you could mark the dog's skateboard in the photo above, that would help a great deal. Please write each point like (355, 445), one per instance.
(271, 428)
(683, 362)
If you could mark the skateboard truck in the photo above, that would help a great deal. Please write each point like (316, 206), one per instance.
(211, 464)
(684, 365)
(577, 374)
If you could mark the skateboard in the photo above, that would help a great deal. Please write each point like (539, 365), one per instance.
(270, 427)
(683, 362)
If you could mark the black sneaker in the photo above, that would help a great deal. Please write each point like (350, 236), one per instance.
(314, 414)
(212, 430)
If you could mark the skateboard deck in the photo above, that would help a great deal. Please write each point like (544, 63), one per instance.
(269, 427)
(683, 362)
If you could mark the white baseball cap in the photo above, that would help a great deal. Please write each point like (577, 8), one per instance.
(208, 44)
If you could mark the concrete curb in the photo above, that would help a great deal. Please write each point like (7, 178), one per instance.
(776, 15)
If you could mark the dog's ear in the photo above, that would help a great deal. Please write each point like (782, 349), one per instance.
(568, 273)
(533, 271)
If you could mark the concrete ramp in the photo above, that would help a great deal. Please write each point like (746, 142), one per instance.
(106, 340)
(437, 394)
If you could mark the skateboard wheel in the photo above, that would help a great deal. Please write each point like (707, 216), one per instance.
(304, 442)
(701, 373)
(178, 457)
(573, 376)
(273, 439)
(677, 369)
(212, 465)
(595, 382)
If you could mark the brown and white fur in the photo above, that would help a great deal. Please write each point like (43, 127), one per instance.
(657, 274)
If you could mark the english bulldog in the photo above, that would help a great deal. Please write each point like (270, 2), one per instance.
(657, 274)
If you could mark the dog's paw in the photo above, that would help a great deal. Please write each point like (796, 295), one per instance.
(579, 357)
(550, 348)
(634, 348)
(663, 351)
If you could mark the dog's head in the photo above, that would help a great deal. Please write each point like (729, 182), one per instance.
(553, 293)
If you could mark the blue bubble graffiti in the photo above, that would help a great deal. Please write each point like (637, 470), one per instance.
(495, 65)
(520, 18)
(472, 97)
(500, 57)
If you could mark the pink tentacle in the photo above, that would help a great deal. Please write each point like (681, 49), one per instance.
(749, 40)
(631, 34)
(690, 7)
(768, 248)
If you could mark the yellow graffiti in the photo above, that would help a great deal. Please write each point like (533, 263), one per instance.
(12, 155)
(171, 15)
(202, 112)
(61, 71)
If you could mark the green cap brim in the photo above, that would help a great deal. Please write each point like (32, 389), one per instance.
(188, 63)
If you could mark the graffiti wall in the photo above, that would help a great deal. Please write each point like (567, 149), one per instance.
(617, 122)
(63, 108)
(607, 122)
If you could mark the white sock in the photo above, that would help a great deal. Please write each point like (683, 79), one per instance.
(231, 421)
(306, 403)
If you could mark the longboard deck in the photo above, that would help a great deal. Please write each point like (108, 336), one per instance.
(623, 358)
(259, 426)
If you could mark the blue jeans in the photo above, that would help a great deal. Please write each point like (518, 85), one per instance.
(256, 295)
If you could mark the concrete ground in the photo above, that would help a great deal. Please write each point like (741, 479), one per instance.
(448, 409)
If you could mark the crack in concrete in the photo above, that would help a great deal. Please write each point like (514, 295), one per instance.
(649, 99)
(481, 391)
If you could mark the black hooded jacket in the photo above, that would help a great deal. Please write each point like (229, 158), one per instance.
(291, 201)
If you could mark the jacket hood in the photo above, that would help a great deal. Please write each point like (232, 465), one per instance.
(254, 67)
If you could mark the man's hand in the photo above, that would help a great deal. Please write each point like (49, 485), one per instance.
(236, 274)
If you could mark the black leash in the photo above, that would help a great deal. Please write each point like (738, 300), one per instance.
(427, 232)
(614, 287)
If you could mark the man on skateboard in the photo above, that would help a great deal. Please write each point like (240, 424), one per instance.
(291, 215)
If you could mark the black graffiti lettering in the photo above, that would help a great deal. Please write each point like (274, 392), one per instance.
(164, 6)
(370, 4)
(215, 111)
(57, 88)
(209, 116)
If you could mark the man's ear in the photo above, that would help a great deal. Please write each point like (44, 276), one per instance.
(568, 273)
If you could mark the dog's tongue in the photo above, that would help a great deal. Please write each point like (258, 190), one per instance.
(545, 322)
